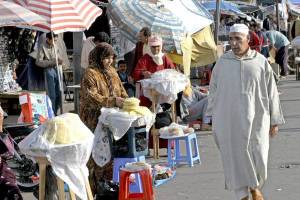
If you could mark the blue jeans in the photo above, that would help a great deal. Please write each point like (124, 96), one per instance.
(53, 88)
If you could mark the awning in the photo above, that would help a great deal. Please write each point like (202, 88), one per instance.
(294, 6)
(225, 6)
(198, 49)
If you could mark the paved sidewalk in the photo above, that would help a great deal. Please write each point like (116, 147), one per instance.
(206, 181)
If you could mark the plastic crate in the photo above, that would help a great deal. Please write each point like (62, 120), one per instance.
(133, 144)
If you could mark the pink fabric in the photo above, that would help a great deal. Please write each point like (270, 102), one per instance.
(154, 41)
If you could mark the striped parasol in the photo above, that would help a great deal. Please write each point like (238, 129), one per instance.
(63, 15)
(12, 14)
(131, 15)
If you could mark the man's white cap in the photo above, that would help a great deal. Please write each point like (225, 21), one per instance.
(239, 28)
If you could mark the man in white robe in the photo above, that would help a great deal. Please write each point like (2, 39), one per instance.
(245, 109)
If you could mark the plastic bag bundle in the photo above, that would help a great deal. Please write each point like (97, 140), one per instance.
(296, 42)
(64, 129)
(167, 83)
(67, 144)
(175, 130)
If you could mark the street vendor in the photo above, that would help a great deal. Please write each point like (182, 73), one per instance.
(280, 44)
(100, 87)
(151, 62)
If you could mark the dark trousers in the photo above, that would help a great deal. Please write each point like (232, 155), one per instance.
(281, 58)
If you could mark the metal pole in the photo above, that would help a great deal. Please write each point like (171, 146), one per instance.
(77, 47)
(277, 15)
(217, 20)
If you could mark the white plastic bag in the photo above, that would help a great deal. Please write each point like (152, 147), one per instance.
(296, 42)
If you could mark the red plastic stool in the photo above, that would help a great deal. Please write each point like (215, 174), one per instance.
(124, 193)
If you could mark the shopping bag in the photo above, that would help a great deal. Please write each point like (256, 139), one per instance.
(34, 107)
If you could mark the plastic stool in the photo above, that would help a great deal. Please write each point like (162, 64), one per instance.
(190, 157)
(146, 179)
(121, 162)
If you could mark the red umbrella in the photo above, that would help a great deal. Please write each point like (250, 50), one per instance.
(12, 14)
(63, 15)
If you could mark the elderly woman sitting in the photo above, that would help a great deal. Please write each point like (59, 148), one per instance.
(100, 87)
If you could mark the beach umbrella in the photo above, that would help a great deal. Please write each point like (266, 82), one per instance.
(61, 15)
(162, 17)
(12, 14)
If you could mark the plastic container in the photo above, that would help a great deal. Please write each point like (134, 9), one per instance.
(133, 144)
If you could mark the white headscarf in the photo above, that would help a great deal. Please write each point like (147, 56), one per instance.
(156, 41)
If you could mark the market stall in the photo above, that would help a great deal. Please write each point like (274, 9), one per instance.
(163, 87)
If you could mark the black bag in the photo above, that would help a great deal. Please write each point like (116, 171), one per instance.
(107, 190)
(132, 144)
(162, 119)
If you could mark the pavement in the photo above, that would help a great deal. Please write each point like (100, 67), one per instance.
(206, 181)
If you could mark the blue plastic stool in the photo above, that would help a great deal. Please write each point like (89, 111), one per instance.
(135, 187)
(189, 158)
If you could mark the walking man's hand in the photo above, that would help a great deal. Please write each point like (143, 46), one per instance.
(273, 130)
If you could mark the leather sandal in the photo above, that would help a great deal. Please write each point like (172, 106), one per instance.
(205, 127)
(256, 194)
(245, 198)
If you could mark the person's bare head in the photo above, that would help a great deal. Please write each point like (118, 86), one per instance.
(144, 34)
(239, 39)
(101, 37)
(257, 26)
(51, 38)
